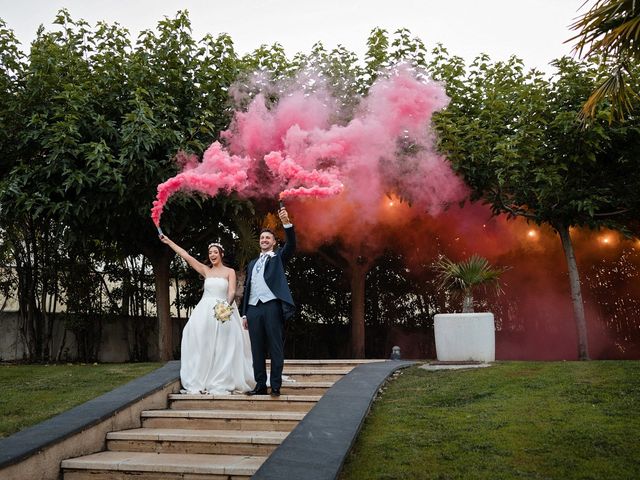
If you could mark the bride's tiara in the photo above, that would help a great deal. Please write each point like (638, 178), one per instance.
(216, 244)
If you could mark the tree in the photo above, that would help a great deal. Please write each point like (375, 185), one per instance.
(178, 101)
(51, 112)
(515, 138)
(348, 83)
(98, 123)
(462, 278)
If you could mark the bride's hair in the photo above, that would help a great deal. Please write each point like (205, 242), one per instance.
(220, 249)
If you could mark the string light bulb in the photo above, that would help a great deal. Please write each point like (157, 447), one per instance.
(605, 239)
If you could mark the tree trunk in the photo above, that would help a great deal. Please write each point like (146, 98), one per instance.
(241, 277)
(160, 265)
(357, 279)
(178, 299)
(62, 344)
(576, 293)
(467, 302)
(355, 268)
(50, 323)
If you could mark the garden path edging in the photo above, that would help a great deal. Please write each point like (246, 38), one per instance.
(317, 448)
(27, 444)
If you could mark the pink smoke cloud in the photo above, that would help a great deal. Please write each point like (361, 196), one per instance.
(217, 172)
(307, 156)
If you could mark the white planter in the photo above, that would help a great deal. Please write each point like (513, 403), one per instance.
(464, 337)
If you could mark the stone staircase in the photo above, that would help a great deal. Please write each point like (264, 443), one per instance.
(211, 436)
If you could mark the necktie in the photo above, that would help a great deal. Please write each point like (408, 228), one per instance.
(261, 262)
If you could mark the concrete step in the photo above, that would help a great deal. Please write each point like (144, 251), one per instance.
(222, 419)
(314, 374)
(311, 369)
(291, 403)
(166, 466)
(306, 387)
(219, 442)
(211, 436)
(325, 363)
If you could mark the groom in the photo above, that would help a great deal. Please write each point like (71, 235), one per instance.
(266, 304)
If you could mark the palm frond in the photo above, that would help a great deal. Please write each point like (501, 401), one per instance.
(609, 27)
(616, 90)
(458, 277)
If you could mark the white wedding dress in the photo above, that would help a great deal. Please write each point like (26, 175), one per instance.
(215, 356)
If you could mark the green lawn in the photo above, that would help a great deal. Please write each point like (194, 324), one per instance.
(30, 394)
(524, 420)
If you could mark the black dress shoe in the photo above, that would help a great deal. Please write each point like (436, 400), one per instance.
(257, 391)
(275, 392)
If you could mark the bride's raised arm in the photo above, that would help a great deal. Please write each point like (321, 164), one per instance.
(201, 268)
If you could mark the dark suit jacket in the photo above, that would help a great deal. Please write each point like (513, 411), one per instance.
(274, 276)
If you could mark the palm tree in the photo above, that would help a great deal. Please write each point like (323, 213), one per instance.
(462, 278)
(611, 29)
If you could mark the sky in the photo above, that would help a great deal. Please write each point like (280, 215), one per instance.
(534, 30)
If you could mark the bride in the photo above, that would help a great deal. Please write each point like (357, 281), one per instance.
(215, 355)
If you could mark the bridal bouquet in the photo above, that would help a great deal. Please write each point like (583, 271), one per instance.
(222, 311)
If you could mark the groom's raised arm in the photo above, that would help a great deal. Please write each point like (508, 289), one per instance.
(289, 247)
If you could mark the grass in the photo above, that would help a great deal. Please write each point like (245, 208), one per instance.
(514, 420)
(30, 394)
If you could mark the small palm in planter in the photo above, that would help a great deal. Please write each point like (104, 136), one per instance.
(462, 278)
(466, 336)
